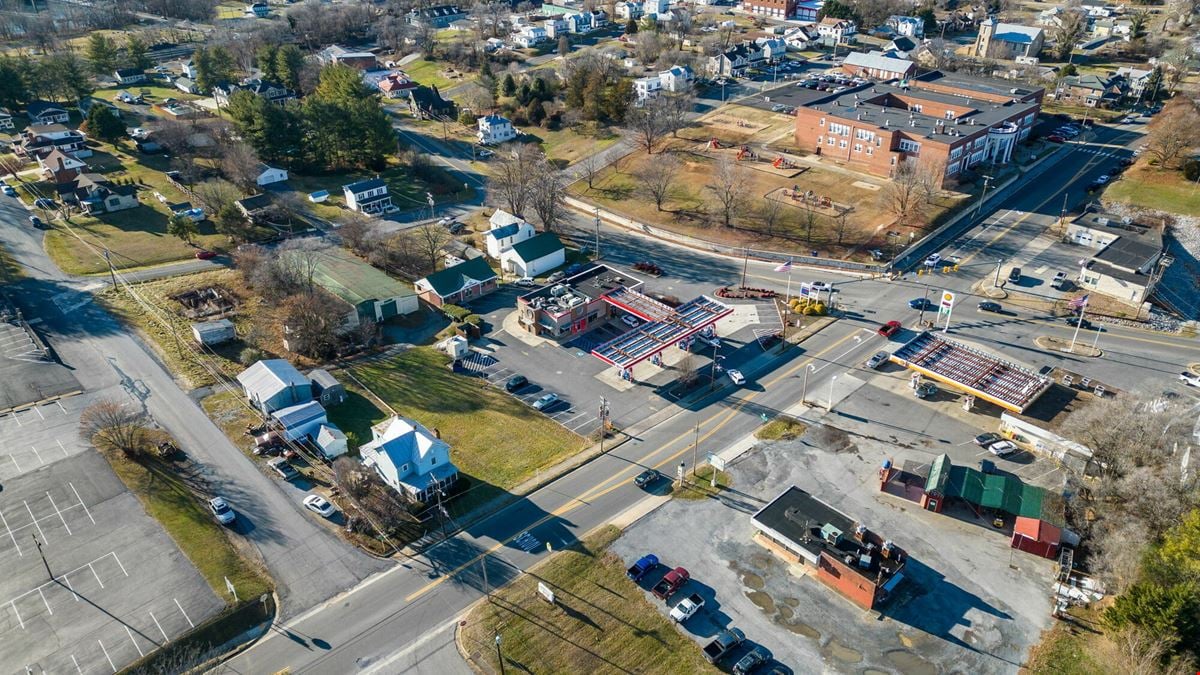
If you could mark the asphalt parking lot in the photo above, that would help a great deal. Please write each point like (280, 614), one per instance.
(967, 599)
(569, 370)
(91, 582)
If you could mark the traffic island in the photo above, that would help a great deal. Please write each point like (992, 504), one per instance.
(1055, 344)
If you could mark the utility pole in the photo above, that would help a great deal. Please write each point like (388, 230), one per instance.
(996, 281)
(111, 272)
(1062, 218)
(695, 444)
(982, 196)
(604, 411)
(597, 233)
(924, 302)
(745, 264)
(441, 513)
(37, 543)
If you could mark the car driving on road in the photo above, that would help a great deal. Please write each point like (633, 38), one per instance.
(889, 329)
(736, 376)
(989, 306)
(920, 303)
(221, 510)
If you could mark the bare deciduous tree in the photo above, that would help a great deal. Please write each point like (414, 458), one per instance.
(589, 168)
(771, 213)
(657, 178)
(240, 165)
(510, 181)
(648, 122)
(429, 241)
(903, 194)
(312, 322)
(546, 194)
(1174, 133)
(302, 257)
(215, 195)
(355, 232)
(112, 426)
(729, 188)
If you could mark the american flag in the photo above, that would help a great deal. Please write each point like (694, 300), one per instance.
(1079, 302)
(785, 267)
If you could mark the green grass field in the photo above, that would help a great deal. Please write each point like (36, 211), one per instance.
(173, 503)
(9, 269)
(1148, 187)
(435, 74)
(601, 622)
(494, 438)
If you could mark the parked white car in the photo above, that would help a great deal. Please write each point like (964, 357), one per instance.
(221, 510)
(319, 505)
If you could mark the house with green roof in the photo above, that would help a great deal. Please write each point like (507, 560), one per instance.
(534, 256)
(370, 291)
(458, 284)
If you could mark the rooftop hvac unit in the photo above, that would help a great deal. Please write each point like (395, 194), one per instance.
(864, 561)
(1102, 221)
(576, 301)
(860, 531)
(558, 290)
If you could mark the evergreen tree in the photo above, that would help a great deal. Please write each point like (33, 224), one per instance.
(540, 90)
(508, 86)
(631, 26)
(564, 45)
(104, 124)
(135, 50)
(264, 58)
(289, 61)
(214, 65)
(102, 54)
(929, 19)
(13, 72)
(182, 226)
(524, 93)
(535, 112)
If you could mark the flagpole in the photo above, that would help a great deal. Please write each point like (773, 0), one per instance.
(788, 296)
(1082, 311)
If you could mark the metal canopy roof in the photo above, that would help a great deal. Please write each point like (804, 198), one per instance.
(1004, 383)
(639, 344)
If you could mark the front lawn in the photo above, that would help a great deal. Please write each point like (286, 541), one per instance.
(496, 440)
(435, 74)
(601, 621)
(407, 190)
(1149, 187)
(9, 269)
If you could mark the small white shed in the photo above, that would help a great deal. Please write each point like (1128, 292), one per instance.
(331, 441)
(214, 332)
(455, 346)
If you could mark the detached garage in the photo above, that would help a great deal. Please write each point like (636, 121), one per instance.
(373, 294)
(535, 256)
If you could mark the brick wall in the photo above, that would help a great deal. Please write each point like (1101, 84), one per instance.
(849, 583)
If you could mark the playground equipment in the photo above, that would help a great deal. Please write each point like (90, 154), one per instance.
(714, 144)
(745, 152)
(782, 162)
(811, 198)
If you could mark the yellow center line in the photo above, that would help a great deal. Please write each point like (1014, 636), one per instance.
(1120, 336)
(608, 486)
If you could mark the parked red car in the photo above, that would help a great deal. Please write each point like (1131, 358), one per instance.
(665, 588)
(1056, 139)
(205, 255)
(889, 329)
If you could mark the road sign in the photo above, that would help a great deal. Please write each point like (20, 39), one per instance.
(545, 592)
(947, 302)
(716, 462)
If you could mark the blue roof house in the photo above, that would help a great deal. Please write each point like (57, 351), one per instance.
(274, 384)
(300, 422)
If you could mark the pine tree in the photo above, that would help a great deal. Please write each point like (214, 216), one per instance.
(102, 54)
(631, 26)
(135, 49)
(104, 124)
(508, 86)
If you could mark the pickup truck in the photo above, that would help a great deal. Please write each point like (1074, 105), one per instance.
(687, 608)
(723, 643)
(664, 589)
(642, 567)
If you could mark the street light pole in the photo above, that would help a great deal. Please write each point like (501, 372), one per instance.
(695, 445)
(982, 196)
(924, 302)
(804, 389)
(499, 656)
(829, 405)
(597, 233)
(996, 281)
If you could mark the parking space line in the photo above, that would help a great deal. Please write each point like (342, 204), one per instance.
(60, 407)
(85, 508)
(15, 463)
(135, 644)
(35, 522)
(10, 534)
(60, 515)
(43, 596)
(110, 663)
(160, 628)
(114, 555)
(38, 455)
(39, 412)
(21, 621)
(77, 668)
(189, 619)
(93, 569)
(68, 580)
(63, 447)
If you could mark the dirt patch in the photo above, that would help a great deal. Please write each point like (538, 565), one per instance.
(830, 439)
(801, 628)
(764, 601)
(753, 581)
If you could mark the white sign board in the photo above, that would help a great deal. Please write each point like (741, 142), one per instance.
(545, 592)
(716, 462)
(947, 302)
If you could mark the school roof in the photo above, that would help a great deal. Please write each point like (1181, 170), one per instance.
(453, 279)
(538, 246)
(354, 280)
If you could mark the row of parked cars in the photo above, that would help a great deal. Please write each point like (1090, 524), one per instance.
(724, 642)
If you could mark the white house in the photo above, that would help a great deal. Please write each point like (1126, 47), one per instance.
(44, 112)
(331, 441)
(409, 458)
(908, 26)
(301, 421)
(494, 129)
(1134, 80)
(773, 49)
(534, 256)
(646, 88)
(269, 174)
(530, 36)
(368, 196)
(674, 80)
(629, 10)
(507, 231)
(6, 120)
(655, 7)
(837, 31)
(188, 68)
(800, 38)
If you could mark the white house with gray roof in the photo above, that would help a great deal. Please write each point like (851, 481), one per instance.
(507, 231)
(409, 457)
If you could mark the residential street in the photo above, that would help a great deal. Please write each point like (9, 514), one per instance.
(308, 563)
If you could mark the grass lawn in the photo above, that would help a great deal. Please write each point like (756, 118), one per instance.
(601, 622)
(407, 191)
(495, 440)
(183, 360)
(781, 428)
(1149, 187)
(700, 486)
(136, 237)
(1068, 650)
(182, 513)
(9, 269)
(568, 145)
(435, 74)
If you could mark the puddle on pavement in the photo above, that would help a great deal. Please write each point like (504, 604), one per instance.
(753, 581)
(801, 628)
(785, 612)
(912, 641)
(840, 652)
(909, 663)
(873, 671)
(791, 602)
(765, 602)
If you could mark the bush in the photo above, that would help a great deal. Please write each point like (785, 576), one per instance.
(250, 355)
(467, 118)
(474, 320)
(455, 312)
(1191, 169)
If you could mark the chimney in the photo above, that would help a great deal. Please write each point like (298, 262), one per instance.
(437, 433)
